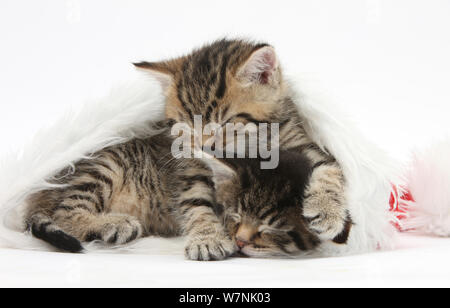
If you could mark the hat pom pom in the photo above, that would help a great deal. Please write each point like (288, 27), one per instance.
(428, 181)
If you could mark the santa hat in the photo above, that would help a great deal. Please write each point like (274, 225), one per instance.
(368, 170)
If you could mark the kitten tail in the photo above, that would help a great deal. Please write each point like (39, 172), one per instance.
(43, 228)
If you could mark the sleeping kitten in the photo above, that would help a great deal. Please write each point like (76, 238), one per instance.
(264, 208)
(234, 81)
(129, 191)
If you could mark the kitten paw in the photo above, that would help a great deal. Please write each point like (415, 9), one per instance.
(326, 216)
(209, 248)
(324, 206)
(116, 229)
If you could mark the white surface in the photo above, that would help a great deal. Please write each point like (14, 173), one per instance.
(419, 262)
(387, 60)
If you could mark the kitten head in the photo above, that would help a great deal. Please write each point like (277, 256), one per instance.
(226, 81)
(263, 208)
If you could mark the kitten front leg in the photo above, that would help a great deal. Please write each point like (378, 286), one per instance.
(324, 206)
(207, 239)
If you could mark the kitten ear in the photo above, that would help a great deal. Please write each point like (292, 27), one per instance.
(163, 72)
(221, 171)
(260, 68)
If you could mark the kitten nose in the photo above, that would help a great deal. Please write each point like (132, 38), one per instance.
(244, 235)
(241, 244)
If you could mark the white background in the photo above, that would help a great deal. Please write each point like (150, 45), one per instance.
(388, 62)
(387, 59)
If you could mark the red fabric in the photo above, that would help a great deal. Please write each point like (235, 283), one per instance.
(399, 203)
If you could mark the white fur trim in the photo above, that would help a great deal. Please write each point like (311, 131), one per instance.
(121, 115)
(368, 170)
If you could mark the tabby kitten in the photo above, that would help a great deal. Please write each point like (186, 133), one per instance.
(129, 191)
(235, 81)
(263, 208)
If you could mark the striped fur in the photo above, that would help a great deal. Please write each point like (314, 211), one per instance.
(128, 191)
(240, 81)
(264, 209)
